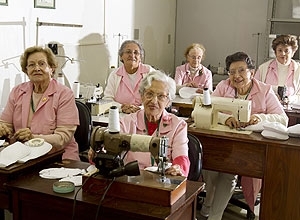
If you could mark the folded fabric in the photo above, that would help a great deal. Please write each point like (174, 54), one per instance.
(259, 127)
(187, 92)
(13, 153)
(276, 127)
(294, 131)
(275, 130)
(274, 135)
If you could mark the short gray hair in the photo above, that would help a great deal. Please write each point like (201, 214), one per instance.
(158, 75)
(124, 44)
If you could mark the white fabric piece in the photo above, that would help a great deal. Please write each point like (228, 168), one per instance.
(2, 142)
(36, 152)
(294, 131)
(77, 180)
(274, 135)
(259, 127)
(13, 153)
(276, 127)
(57, 173)
(187, 92)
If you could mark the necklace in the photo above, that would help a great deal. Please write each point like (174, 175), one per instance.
(243, 96)
(32, 104)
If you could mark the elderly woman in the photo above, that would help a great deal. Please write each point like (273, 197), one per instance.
(283, 70)
(157, 90)
(42, 107)
(123, 83)
(265, 107)
(193, 73)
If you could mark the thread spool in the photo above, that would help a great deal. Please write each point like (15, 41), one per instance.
(113, 120)
(76, 89)
(206, 97)
(18, 79)
(61, 78)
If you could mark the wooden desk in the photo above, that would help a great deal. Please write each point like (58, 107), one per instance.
(33, 198)
(294, 116)
(276, 162)
(184, 106)
(15, 170)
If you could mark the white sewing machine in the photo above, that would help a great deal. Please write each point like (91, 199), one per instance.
(206, 117)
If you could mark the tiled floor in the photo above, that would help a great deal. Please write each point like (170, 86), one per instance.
(233, 213)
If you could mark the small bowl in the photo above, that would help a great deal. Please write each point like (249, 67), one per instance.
(63, 187)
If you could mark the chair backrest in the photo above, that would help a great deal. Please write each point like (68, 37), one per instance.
(195, 156)
(83, 131)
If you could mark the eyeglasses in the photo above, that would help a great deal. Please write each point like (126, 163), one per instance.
(135, 52)
(284, 50)
(240, 71)
(195, 57)
(41, 64)
(160, 97)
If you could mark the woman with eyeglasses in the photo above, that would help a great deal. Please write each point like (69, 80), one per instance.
(123, 83)
(282, 72)
(157, 90)
(41, 107)
(193, 73)
(265, 106)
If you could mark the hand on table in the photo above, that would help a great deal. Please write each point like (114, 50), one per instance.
(174, 170)
(129, 108)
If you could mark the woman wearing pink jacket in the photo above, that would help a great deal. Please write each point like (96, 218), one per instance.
(283, 70)
(193, 73)
(42, 107)
(123, 83)
(265, 107)
(157, 90)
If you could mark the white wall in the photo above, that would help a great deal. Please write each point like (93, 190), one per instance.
(223, 27)
(93, 47)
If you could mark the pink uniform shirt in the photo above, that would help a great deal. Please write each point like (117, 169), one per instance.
(170, 126)
(268, 73)
(56, 108)
(119, 86)
(183, 76)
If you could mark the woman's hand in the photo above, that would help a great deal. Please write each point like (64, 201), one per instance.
(91, 155)
(191, 84)
(4, 130)
(199, 90)
(233, 123)
(253, 120)
(128, 108)
(23, 134)
(174, 170)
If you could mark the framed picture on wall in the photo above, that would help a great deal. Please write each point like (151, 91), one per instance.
(3, 2)
(44, 4)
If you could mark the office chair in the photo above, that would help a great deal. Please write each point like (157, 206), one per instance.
(195, 156)
(83, 131)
